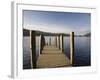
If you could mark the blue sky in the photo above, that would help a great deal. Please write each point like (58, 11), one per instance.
(58, 22)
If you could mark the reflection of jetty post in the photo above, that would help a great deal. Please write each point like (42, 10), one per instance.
(33, 46)
(72, 48)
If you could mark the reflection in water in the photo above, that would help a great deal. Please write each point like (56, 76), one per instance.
(82, 50)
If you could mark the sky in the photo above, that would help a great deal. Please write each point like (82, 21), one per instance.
(57, 22)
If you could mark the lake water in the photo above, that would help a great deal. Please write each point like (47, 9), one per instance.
(82, 50)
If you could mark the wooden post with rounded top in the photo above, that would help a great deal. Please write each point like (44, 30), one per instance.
(72, 48)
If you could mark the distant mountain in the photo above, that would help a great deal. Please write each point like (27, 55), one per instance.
(87, 34)
(27, 33)
(84, 35)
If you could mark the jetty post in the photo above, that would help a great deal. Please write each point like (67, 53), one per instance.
(61, 42)
(30, 39)
(43, 41)
(56, 41)
(33, 47)
(40, 44)
(49, 41)
(72, 48)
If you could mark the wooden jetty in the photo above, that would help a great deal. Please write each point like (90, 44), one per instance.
(51, 56)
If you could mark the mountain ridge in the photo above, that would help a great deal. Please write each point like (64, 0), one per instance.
(26, 32)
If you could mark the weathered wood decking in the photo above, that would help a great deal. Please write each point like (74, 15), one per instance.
(52, 57)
